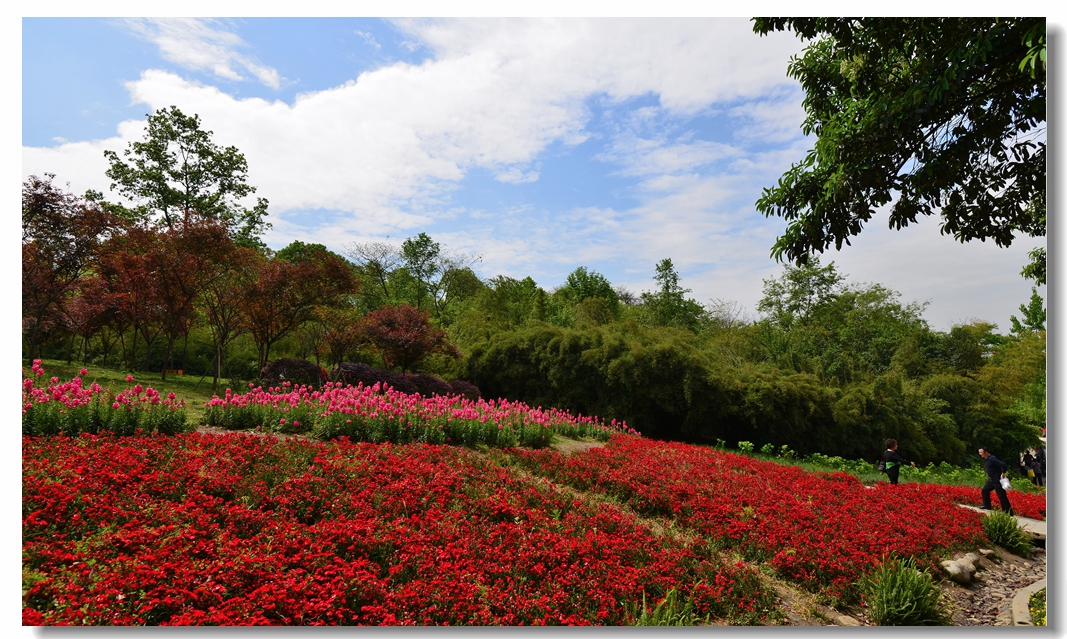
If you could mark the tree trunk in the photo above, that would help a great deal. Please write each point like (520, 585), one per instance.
(217, 366)
(35, 335)
(148, 353)
(185, 351)
(70, 349)
(133, 351)
(167, 359)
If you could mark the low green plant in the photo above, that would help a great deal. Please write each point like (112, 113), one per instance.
(1003, 530)
(900, 594)
(668, 612)
(767, 449)
(1037, 608)
(746, 447)
(786, 452)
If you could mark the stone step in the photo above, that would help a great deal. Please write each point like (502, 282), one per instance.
(1035, 527)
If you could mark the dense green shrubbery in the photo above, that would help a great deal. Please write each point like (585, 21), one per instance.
(669, 383)
(900, 594)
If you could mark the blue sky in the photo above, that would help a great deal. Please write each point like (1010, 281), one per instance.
(538, 145)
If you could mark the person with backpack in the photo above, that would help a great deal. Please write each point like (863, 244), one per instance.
(996, 470)
(892, 461)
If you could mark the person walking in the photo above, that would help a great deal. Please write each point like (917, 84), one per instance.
(1028, 467)
(995, 470)
(893, 461)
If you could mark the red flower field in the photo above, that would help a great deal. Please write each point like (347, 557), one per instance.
(246, 530)
(822, 529)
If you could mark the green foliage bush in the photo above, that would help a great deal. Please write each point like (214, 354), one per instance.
(1003, 530)
(900, 594)
(669, 612)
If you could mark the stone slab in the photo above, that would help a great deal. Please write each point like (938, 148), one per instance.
(1020, 604)
(1036, 528)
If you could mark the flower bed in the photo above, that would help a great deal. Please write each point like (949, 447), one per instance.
(52, 407)
(380, 414)
(246, 530)
(1030, 505)
(824, 530)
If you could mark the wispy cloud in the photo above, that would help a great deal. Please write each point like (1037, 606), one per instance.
(369, 39)
(203, 45)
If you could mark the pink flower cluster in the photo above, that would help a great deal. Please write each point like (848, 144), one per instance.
(54, 407)
(378, 413)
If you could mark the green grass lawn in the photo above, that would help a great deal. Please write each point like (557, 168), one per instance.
(868, 473)
(191, 388)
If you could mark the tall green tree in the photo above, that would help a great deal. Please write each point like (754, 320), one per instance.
(668, 305)
(940, 116)
(1034, 315)
(177, 167)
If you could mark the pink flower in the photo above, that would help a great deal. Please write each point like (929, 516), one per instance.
(129, 378)
(83, 372)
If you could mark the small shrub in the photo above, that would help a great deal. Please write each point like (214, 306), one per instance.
(899, 594)
(720, 444)
(465, 389)
(1003, 530)
(746, 447)
(427, 385)
(356, 373)
(767, 449)
(669, 612)
(786, 452)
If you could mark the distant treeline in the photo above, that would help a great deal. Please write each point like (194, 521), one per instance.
(827, 366)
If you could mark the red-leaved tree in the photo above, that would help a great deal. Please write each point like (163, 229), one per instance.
(284, 294)
(61, 233)
(404, 336)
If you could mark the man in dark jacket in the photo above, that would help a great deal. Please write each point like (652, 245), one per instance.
(893, 461)
(995, 470)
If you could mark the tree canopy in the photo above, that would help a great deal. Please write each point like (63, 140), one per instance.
(940, 116)
(179, 168)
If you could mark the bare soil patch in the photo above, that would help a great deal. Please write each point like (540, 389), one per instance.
(569, 446)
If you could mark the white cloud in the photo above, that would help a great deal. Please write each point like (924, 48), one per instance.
(774, 118)
(514, 175)
(494, 95)
(388, 149)
(641, 157)
(202, 45)
(369, 39)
